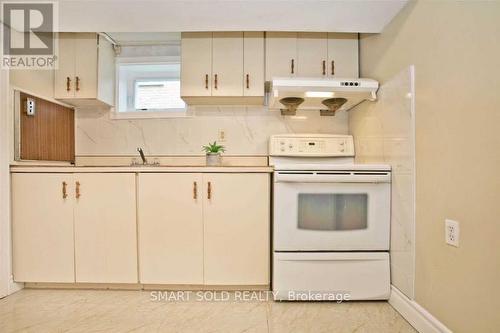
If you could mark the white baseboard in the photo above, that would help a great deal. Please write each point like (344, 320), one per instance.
(416, 315)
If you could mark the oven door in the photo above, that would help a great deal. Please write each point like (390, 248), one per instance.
(332, 211)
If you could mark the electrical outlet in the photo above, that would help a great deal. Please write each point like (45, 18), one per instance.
(452, 232)
(30, 106)
(222, 135)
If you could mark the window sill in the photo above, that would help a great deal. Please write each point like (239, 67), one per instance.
(178, 113)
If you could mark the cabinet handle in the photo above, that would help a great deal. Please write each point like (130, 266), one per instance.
(292, 66)
(64, 191)
(195, 190)
(206, 81)
(68, 84)
(209, 190)
(324, 67)
(333, 67)
(77, 191)
(215, 81)
(77, 88)
(248, 81)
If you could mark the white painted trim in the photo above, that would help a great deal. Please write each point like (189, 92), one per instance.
(416, 315)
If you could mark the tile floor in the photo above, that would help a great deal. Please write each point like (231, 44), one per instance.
(138, 311)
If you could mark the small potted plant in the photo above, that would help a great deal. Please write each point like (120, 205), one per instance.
(214, 151)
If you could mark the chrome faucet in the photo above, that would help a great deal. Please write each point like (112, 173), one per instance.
(145, 162)
(143, 158)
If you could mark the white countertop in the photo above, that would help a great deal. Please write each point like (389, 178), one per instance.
(138, 169)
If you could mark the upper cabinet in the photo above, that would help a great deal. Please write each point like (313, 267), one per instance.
(227, 64)
(281, 54)
(253, 63)
(343, 55)
(86, 70)
(311, 54)
(196, 64)
(222, 64)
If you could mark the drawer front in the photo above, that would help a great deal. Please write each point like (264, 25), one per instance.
(327, 276)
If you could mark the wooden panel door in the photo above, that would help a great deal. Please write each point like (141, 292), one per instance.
(170, 228)
(85, 65)
(253, 64)
(196, 64)
(49, 134)
(105, 228)
(312, 49)
(64, 79)
(237, 227)
(227, 64)
(343, 54)
(281, 54)
(42, 227)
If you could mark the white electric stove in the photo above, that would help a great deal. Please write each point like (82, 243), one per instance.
(331, 223)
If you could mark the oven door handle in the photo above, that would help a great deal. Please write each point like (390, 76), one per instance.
(348, 177)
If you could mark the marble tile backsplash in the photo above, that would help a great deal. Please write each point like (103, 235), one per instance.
(384, 133)
(247, 130)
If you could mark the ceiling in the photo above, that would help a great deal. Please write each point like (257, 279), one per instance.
(227, 15)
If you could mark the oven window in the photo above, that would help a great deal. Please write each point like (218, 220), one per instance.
(333, 211)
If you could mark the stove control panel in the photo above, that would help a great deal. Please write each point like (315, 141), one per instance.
(316, 145)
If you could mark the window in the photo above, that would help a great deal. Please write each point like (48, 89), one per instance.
(147, 90)
(158, 95)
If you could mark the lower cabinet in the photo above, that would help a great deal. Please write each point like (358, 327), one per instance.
(105, 228)
(170, 228)
(152, 228)
(42, 228)
(74, 228)
(236, 229)
(210, 228)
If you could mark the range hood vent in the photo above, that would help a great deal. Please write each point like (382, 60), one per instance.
(328, 95)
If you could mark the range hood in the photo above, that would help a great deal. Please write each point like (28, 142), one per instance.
(328, 95)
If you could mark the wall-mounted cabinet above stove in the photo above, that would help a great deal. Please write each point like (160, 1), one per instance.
(311, 54)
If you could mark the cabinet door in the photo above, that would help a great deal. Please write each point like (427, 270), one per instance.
(170, 228)
(312, 49)
(42, 227)
(253, 64)
(106, 72)
(64, 80)
(281, 54)
(105, 228)
(85, 65)
(343, 55)
(227, 64)
(236, 221)
(196, 64)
